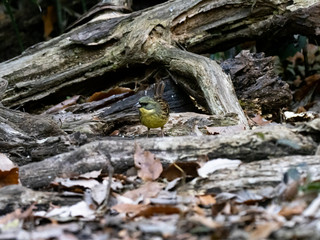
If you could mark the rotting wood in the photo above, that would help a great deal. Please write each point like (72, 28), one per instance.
(247, 146)
(259, 175)
(83, 58)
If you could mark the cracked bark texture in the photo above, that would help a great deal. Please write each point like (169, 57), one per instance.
(101, 53)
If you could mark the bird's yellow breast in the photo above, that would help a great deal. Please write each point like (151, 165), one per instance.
(151, 119)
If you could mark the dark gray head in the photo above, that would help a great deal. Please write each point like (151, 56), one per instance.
(147, 103)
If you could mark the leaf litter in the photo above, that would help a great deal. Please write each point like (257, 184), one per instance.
(168, 205)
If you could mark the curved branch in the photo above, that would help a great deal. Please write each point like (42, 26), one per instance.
(212, 83)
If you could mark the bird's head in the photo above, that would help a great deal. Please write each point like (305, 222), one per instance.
(147, 103)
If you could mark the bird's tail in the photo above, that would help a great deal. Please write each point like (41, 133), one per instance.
(159, 89)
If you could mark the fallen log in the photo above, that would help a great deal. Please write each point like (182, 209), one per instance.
(248, 146)
(114, 51)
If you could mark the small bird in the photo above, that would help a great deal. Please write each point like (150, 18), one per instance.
(154, 112)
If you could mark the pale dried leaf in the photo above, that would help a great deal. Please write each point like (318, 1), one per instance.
(149, 167)
(147, 190)
(99, 192)
(216, 164)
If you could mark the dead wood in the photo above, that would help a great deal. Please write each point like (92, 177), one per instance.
(16, 196)
(247, 146)
(100, 54)
(119, 51)
(256, 82)
(26, 125)
(259, 175)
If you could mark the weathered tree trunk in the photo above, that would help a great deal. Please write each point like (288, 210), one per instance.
(105, 53)
(99, 54)
(246, 145)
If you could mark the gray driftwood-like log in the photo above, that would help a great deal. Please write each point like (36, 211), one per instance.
(247, 145)
(259, 175)
(99, 54)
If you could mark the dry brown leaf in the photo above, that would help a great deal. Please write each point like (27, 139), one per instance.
(9, 172)
(289, 211)
(151, 210)
(217, 208)
(49, 20)
(147, 190)
(206, 200)
(149, 167)
(262, 231)
(128, 208)
(308, 88)
(142, 210)
(173, 171)
(206, 221)
(115, 91)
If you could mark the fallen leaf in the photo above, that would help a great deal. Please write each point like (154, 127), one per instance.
(49, 20)
(115, 91)
(313, 209)
(115, 133)
(80, 209)
(99, 192)
(173, 171)
(149, 167)
(90, 175)
(9, 172)
(128, 208)
(147, 190)
(206, 221)
(296, 209)
(308, 88)
(263, 230)
(151, 210)
(206, 200)
(217, 208)
(216, 164)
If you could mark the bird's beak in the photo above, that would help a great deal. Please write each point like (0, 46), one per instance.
(137, 105)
